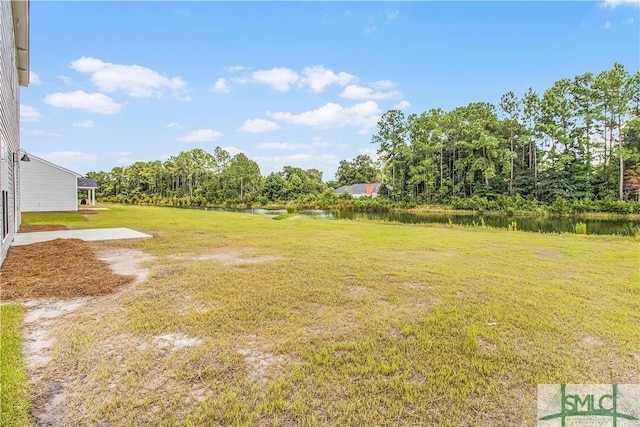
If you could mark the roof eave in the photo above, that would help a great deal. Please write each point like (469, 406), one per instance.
(46, 162)
(20, 10)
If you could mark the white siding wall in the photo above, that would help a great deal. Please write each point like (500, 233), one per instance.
(9, 121)
(47, 188)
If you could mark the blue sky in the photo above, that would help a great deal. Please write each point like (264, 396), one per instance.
(289, 83)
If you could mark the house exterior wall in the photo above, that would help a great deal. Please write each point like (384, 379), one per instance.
(47, 188)
(9, 130)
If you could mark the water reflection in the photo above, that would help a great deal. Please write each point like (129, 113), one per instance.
(548, 224)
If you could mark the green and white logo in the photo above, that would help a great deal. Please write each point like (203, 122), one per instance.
(587, 405)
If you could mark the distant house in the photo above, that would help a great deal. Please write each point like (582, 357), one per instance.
(14, 72)
(359, 190)
(89, 186)
(47, 187)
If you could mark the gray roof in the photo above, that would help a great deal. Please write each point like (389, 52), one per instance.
(360, 188)
(86, 183)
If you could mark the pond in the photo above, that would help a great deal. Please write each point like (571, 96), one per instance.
(546, 224)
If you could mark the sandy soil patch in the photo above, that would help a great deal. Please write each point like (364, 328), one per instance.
(126, 262)
(411, 285)
(174, 342)
(53, 280)
(229, 256)
(359, 292)
(261, 364)
(591, 341)
(550, 254)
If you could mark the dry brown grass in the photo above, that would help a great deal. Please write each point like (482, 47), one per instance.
(61, 268)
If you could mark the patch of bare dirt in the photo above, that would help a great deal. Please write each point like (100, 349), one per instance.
(126, 262)
(61, 268)
(359, 292)
(65, 275)
(261, 364)
(411, 285)
(551, 254)
(33, 228)
(591, 341)
(229, 256)
(41, 316)
(172, 342)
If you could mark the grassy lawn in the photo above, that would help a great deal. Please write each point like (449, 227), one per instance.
(70, 219)
(333, 322)
(14, 400)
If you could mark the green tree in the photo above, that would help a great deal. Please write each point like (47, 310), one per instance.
(510, 106)
(242, 177)
(274, 187)
(360, 169)
(426, 172)
(391, 139)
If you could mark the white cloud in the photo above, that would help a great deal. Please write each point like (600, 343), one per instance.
(299, 158)
(34, 79)
(85, 124)
(240, 80)
(318, 142)
(41, 133)
(371, 152)
(124, 161)
(361, 93)
(221, 85)
(258, 126)
(118, 153)
(65, 79)
(200, 135)
(629, 21)
(136, 81)
(318, 77)
(93, 102)
(174, 125)
(280, 78)
(236, 68)
(371, 29)
(277, 146)
(233, 150)
(384, 84)
(402, 105)
(607, 25)
(615, 3)
(29, 113)
(391, 15)
(59, 157)
(332, 115)
(286, 146)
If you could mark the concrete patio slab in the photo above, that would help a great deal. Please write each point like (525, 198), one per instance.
(90, 235)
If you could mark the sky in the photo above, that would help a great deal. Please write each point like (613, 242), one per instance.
(289, 83)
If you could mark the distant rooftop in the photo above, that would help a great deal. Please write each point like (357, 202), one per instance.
(86, 183)
(359, 189)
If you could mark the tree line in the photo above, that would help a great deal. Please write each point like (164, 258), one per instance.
(200, 178)
(579, 139)
(577, 142)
